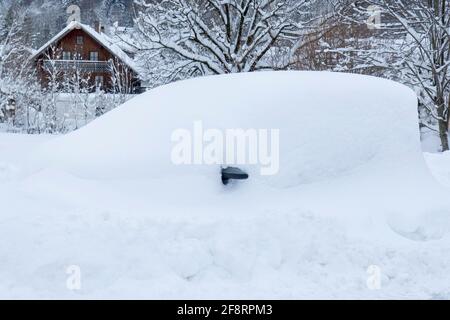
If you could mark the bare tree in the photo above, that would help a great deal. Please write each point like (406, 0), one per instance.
(77, 85)
(54, 84)
(121, 78)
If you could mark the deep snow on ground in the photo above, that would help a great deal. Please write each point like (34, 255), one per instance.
(430, 141)
(440, 166)
(170, 232)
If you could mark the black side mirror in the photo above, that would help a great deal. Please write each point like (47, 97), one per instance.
(231, 173)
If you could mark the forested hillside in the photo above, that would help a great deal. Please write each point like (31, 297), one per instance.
(45, 18)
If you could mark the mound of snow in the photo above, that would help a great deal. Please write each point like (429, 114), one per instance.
(329, 124)
(440, 164)
(354, 139)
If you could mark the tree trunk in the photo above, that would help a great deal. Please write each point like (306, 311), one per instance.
(443, 123)
(443, 134)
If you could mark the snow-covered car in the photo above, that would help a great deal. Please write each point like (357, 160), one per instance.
(349, 190)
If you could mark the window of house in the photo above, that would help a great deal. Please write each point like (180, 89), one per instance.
(99, 81)
(66, 55)
(80, 40)
(93, 56)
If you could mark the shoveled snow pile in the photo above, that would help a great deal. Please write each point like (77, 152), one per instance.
(352, 192)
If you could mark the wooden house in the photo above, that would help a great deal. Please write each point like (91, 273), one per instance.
(88, 52)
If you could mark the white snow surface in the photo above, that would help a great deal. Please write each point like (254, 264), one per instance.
(440, 162)
(353, 191)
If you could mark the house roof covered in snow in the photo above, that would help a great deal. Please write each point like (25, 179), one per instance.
(101, 38)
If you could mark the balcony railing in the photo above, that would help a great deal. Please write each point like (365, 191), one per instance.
(82, 65)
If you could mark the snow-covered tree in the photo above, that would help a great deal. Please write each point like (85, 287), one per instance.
(17, 83)
(412, 46)
(184, 38)
(77, 86)
(55, 81)
(111, 11)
